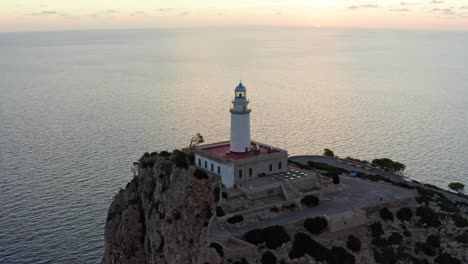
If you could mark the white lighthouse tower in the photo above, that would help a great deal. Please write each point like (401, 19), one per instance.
(240, 121)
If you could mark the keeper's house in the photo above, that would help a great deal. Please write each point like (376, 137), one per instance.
(240, 159)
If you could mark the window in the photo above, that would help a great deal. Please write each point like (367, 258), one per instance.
(219, 170)
(206, 164)
(199, 162)
(212, 167)
(271, 167)
(240, 174)
(279, 165)
(250, 172)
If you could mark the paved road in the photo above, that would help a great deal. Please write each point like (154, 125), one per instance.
(356, 194)
(304, 159)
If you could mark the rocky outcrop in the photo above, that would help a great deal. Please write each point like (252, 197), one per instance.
(160, 217)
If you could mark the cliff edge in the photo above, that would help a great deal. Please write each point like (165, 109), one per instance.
(161, 216)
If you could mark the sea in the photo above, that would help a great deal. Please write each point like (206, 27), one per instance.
(78, 107)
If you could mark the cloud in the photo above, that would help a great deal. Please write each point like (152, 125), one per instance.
(399, 10)
(463, 7)
(166, 9)
(45, 13)
(436, 2)
(355, 7)
(407, 4)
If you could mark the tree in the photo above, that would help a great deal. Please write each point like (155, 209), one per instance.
(353, 243)
(196, 140)
(328, 153)
(389, 165)
(310, 200)
(315, 225)
(457, 186)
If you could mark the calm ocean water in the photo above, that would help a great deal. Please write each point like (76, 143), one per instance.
(76, 108)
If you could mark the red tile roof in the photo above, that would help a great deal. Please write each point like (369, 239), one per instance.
(223, 151)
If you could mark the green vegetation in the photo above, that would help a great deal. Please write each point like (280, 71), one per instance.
(433, 241)
(164, 154)
(459, 220)
(457, 186)
(353, 243)
(268, 258)
(235, 219)
(336, 179)
(376, 229)
(315, 225)
(428, 216)
(310, 200)
(218, 248)
(389, 165)
(216, 189)
(386, 214)
(272, 236)
(179, 158)
(395, 238)
(330, 170)
(405, 214)
(462, 238)
(328, 153)
(445, 258)
(304, 244)
(196, 140)
(219, 211)
(385, 255)
(357, 160)
(201, 174)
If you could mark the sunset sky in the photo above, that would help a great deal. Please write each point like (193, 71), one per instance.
(35, 15)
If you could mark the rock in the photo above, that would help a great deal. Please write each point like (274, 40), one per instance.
(160, 217)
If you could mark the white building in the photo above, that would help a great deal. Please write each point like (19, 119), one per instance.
(240, 158)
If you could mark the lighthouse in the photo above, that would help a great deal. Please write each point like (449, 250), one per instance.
(240, 121)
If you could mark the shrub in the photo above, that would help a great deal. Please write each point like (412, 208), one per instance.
(224, 195)
(376, 229)
(459, 220)
(385, 255)
(336, 179)
(274, 209)
(219, 211)
(164, 154)
(462, 238)
(428, 216)
(303, 244)
(254, 236)
(218, 248)
(242, 261)
(407, 233)
(200, 174)
(289, 207)
(310, 200)
(386, 214)
(179, 158)
(268, 258)
(395, 238)
(405, 214)
(353, 243)
(328, 153)
(445, 258)
(433, 241)
(315, 225)
(153, 154)
(419, 261)
(339, 255)
(191, 158)
(380, 242)
(146, 155)
(273, 236)
(216, 190)
(426, 248)
(235, 219)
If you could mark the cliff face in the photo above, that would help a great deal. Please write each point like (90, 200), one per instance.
(160, 217)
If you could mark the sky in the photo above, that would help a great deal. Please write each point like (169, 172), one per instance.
(38, 15)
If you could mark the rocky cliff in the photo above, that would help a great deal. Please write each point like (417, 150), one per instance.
(161, 216)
